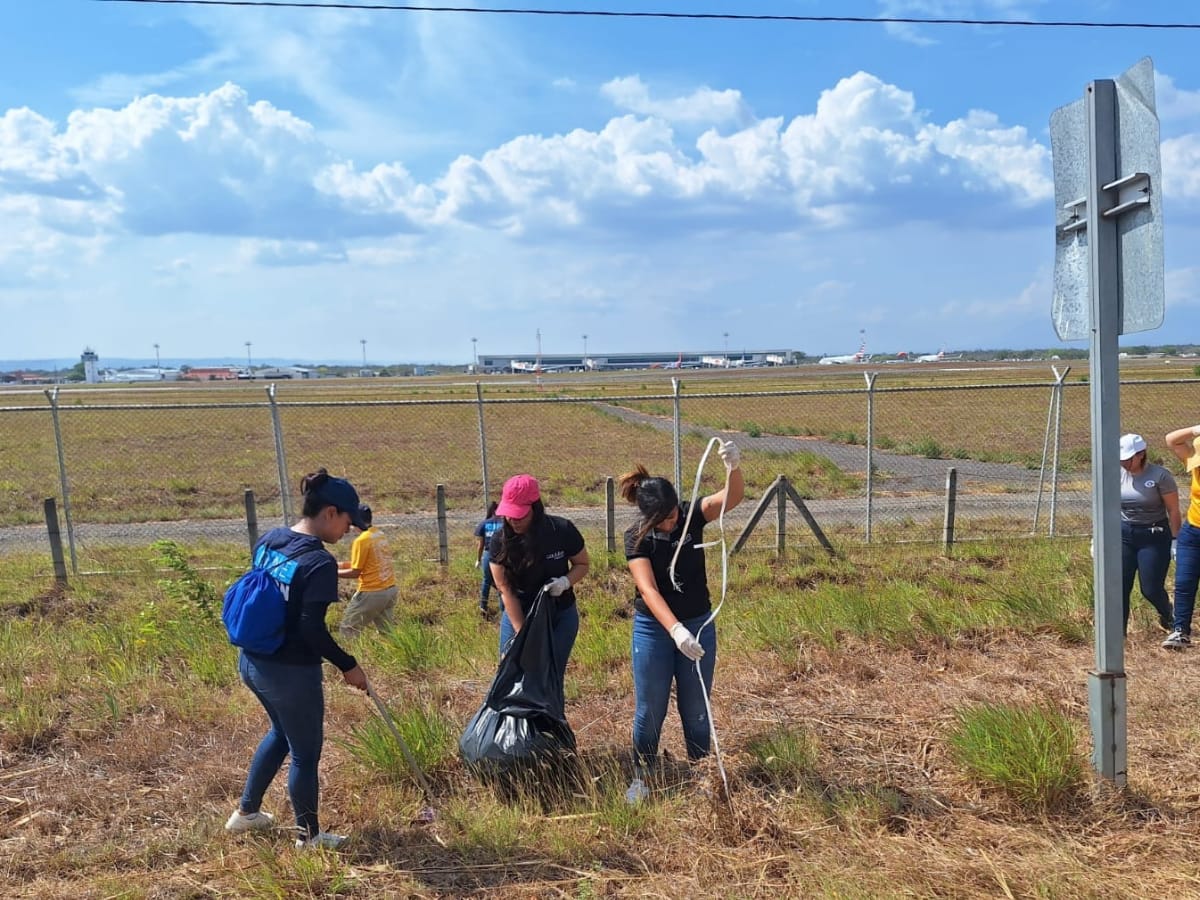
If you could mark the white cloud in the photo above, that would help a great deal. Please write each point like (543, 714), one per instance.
(950, 9)
(704, 105)
(1174, 103)
(219, 163)
(1183, 287)
(290, 253)
(998, 156)
(1181, 168)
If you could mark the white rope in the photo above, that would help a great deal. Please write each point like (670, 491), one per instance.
(712, 728)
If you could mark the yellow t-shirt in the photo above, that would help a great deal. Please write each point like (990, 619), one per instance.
(1193, 513)
(372, 557)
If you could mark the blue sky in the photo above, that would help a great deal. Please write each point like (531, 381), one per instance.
(306, 179)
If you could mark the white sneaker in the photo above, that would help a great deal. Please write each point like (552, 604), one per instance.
(322, 841)
(1177, 640)
(255, 821)
(636, 792)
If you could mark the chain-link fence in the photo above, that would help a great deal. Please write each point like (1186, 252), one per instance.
(870, 463)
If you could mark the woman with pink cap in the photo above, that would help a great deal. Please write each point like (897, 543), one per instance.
(1149, 522)
(531, 552)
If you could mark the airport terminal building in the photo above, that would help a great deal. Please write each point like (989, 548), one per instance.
(566, 362)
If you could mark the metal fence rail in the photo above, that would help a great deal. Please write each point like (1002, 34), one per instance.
(125, 474)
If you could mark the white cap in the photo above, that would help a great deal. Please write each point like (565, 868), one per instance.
(1131, 445)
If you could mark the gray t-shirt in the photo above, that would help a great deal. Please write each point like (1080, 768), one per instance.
(1141, 495)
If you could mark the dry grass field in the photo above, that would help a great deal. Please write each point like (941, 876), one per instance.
(841, 691)
(168, 452)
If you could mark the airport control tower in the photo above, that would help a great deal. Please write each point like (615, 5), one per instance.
(91, 365)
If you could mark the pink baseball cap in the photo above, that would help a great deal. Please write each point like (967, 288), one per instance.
(519, 494)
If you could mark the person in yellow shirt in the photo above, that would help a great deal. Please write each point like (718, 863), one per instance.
(1185, 444)
(371, 563)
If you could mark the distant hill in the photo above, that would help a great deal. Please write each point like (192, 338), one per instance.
(170, 362)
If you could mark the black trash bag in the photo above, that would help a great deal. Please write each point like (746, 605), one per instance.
(520, 738)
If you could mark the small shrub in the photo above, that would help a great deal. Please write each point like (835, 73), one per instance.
(431, 737)
(182, 486)
(188, 586)
(785, 757)
(1028, 752)
(927, 447)
(410, 646)
(753, 429)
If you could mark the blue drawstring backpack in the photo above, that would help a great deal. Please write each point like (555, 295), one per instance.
(255, 607)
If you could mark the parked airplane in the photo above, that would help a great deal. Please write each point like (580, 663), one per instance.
(932, 357)
(860, 357)
(678, 364)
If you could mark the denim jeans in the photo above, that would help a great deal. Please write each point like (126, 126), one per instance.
(485, 587)
(1187, 575)
(656, 663)
(294, 699)
(1146, 552)
(564, 626)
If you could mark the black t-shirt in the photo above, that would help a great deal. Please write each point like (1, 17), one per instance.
(691, 599)
(310, 585)
(555, 540)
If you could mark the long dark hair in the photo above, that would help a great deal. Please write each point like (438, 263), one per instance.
(654, 497)
(492, 507)
(310, 487)
(519, 552)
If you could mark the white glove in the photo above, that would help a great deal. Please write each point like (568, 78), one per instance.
(1092, 549)
(477, 564)
(557, 586)
(686, 641)
(1173, 543)
(730, 454)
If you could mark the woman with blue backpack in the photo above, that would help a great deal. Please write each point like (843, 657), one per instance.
(287, 680)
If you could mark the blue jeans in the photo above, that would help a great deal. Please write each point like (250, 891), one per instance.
(564, 629)
(1146, 552)
(1187, 575)
(485, 587)
(656, 663)
(294, 699)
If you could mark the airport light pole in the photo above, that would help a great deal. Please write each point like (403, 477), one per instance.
(363, 341)
(585, 351)
(726, 348)
(157, 363)
(249, 362)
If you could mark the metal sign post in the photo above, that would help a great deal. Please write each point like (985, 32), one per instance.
(1108, 281)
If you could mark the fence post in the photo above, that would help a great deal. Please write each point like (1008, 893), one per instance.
(251, 518)
(1057, 444)
(781, 514)
(1055, 403)
(285, 495)
(610, 514)
(951, 497)
(870, 377)
(678, 438)
(483, 459)
(52, 396)
(56, 550)
(443, 539)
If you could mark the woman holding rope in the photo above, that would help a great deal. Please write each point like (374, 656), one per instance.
(669, 613)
